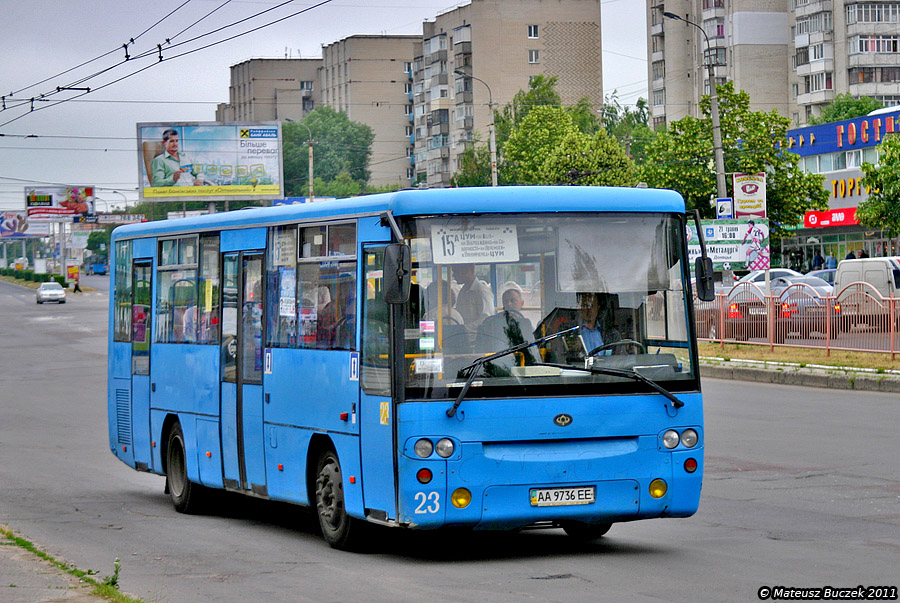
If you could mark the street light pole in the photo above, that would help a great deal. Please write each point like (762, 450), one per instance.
(491, 136)
(721, 190)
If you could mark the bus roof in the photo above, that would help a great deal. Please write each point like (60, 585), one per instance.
(480, 200)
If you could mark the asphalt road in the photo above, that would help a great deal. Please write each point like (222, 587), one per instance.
(802, 488)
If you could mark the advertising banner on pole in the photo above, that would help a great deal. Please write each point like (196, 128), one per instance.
(15, 224)
(58, 203)
(749, 195)
(210, 161)
(739, 244)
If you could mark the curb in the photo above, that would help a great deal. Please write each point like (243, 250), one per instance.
(836, 378)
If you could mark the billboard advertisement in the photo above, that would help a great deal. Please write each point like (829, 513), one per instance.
(15, 224)
(749, 195)
(210, 161)
(58, 203)
(733, 244)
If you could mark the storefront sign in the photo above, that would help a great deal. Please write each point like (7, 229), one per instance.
(859, 132)
(832, 217)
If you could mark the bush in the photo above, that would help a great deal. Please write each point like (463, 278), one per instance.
(60, 279)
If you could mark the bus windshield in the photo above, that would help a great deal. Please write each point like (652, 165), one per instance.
(614, 283)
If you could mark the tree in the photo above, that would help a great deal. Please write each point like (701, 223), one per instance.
(753, 141)
(541, 93)
(845, 106)
(339, 146)
(595, 160)
(882, 208)
(629, 126)
(533, 140)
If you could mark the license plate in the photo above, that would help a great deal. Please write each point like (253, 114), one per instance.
(555, 497)
(756, 311)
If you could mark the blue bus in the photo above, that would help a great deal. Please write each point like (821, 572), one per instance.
(490, 358)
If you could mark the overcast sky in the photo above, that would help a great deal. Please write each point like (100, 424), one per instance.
(91, 139)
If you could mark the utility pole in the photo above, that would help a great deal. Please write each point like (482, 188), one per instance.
(721, 190)
(491, 135)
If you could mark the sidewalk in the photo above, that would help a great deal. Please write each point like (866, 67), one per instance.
(26, 578)
(810, 375)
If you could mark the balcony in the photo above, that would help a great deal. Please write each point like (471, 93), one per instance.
(815, 98)
(657, 30)
(435, 57)
(464, 97)
(816, 67)
(815, 6)
(463, 47)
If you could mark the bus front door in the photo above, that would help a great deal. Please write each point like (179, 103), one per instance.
(242, 364)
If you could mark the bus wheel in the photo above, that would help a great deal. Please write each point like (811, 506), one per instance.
(585, 532)
(339, 529)
(186, 496)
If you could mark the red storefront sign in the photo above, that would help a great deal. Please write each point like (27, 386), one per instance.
(833, 217)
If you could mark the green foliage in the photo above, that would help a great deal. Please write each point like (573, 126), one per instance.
(882, 208)
(753, 142)
(529, 145)
(340, 146)
(113, 580)
(541, 93)
(595, 160)
(474, 168)
(845, 106)
(630, 126)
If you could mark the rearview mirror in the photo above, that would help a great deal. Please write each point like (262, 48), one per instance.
(397, 270)
(703, 270)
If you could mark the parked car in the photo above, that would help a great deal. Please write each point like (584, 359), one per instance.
(758, 277)
(863, 305)
(826, 275)
(801, 310)
(48, 292)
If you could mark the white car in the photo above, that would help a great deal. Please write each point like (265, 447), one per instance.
(48, 292)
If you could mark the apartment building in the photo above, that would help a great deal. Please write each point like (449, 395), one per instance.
(793, 56)
(271, 89)
(369, 77)
(501, 44)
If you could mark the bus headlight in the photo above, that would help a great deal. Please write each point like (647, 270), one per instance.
(424, 448)
(670, 439)
(444, 447)
(461, 498)
(689, 438)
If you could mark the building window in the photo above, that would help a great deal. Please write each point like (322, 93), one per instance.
(714, 28)
(818, 82)
(306, 85)
(875, 45)
(659, 97)
(534, 56)
(873, 13)
(659, 69)
(814, 23)
(869, 75)
(708, 4)
(407, 87)
(533, 32)
(407, 67)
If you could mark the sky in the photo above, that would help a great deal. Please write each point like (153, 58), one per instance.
(90, 140)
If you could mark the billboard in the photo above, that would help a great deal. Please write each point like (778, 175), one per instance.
(732, 244)
(15, 224)
(58, 203)
(749, 195)
(210, 161)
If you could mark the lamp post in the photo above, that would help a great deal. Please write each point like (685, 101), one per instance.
(124, 200)
(721, 191)
(310, 156)
(491, 137)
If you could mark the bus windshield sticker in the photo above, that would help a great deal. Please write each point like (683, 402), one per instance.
(426, 326)
(474, 244)
(426, 343)
(268, 362)
(354, 366)
(429, 366)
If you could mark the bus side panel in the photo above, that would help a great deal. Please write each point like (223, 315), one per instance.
(210, 460)
(686, 486)
(286, 463)
(347, 448)
(119, 417)
(140, 417)
(189, 428)
(186, 377)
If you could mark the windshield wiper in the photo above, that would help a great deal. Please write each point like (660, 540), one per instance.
(628, 374)
(473, 368)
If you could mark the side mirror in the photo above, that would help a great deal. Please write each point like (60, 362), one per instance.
(703, 270)
(397, 270)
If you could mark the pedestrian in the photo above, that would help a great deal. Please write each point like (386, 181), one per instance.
(830, 261)
(818, 261)
(850, 255)
(863, 254)
(77, 287)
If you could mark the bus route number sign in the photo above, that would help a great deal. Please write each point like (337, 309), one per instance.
(555, 497)
(467, 244)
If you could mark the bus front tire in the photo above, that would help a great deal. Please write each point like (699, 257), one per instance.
(585, 532)
(339, 529)
(186, 496)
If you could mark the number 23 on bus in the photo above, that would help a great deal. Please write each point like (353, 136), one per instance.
(493, 358)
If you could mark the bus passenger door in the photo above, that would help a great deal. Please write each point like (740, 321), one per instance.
(141, 292)
(242, 364)
(376, 409)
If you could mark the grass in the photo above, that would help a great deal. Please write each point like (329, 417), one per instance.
(881, 362)
(106, 589)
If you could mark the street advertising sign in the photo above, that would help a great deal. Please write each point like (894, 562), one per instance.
(58, 203)
(739, 244)
(210, 161)
(725, 208)
(120, 218)
(845, 216)
(749, 195)
(79, 239)
(15, 225)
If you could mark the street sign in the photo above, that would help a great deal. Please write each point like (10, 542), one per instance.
(725, 208)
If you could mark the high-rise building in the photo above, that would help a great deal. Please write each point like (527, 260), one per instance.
(370, 79)
(271, 89)
(793, 56)
(502, 43)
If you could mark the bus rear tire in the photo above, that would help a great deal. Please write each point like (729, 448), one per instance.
(585, 532)
(339, 529)
(187, 497)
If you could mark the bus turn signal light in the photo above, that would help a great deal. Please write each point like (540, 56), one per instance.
(658, 488)
(461, 498)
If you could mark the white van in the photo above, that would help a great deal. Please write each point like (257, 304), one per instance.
(862, 306)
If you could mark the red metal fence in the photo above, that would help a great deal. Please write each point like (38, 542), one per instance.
(856, 318)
